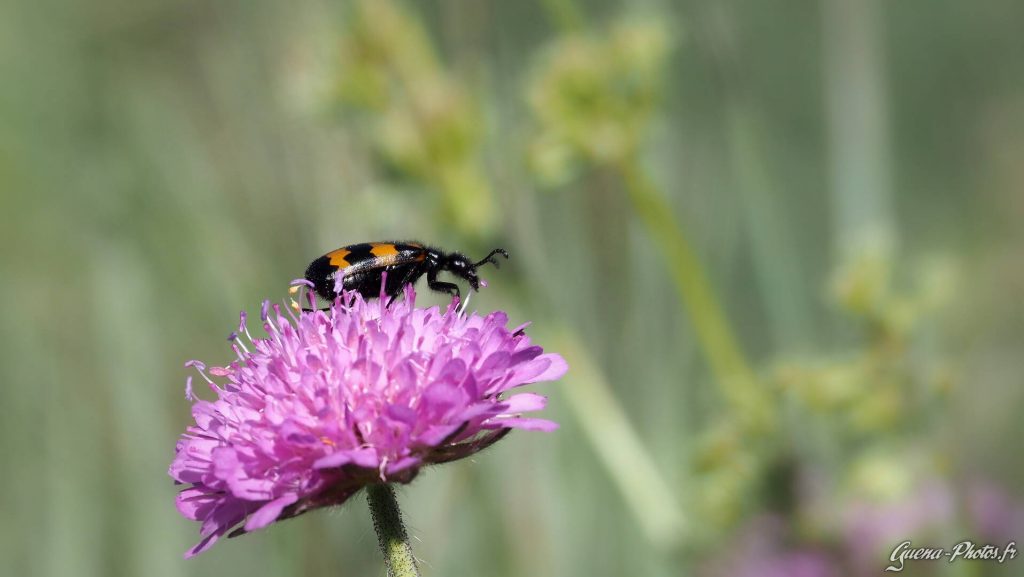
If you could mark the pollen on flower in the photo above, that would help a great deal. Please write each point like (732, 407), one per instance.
(332, 400)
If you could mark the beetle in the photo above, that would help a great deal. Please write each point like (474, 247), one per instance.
(405, 262)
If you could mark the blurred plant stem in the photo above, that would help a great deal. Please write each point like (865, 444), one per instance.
(607, 427)
(595, 97)
(776, 260)
(617, 444)
(735, 377)
(426, 123)
(858, 126)
(387, 522)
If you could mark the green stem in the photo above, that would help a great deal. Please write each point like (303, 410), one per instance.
(737, 380)
(776, 263)
(387, 521)
(858, 125)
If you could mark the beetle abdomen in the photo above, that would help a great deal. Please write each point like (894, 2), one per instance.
(362, 266)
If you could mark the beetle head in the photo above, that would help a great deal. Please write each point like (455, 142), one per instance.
(462, 267)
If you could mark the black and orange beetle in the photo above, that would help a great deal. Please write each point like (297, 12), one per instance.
(405, 262)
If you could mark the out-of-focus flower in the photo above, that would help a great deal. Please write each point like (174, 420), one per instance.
(728, 460)
(763, 549)
(864, 287)
(872, 526)
(863, 394)
(875, 387)
(427, 124)
(889, 499)
(856, 404)
(995, 515)
(334, 400)
(861, 286)
(593, 96)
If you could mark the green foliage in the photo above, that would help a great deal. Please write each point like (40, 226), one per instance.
(593, 94)
(425, 124)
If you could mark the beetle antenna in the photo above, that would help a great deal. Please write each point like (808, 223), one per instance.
(490, 258)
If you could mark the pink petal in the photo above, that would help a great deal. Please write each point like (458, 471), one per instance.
(401, 465)
(196, 504)
(269, 513)
(554, 370)
(362, 457)
(525, 402)
(525, 423)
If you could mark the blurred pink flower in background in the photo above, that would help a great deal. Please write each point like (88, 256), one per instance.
(872, 528)
(995, 515)
(861, 537)
(764, 548)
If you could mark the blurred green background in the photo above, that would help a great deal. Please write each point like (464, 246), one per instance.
(779, 243)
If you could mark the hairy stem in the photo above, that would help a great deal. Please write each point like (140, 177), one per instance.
(387, 521)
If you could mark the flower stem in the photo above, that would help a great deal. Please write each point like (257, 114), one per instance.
(387, 521)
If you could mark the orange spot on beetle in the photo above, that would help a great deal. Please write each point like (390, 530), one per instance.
(383, 249)
(338, 258)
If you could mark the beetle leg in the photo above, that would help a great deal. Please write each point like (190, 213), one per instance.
(442, 287)
(410, 276)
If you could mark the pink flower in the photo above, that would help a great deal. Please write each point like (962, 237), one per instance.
(873, 528)
(996, 515)
(338, 399)
(764, 547)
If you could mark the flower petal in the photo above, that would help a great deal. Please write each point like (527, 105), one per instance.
(362, 457)
(525, 423)
(556, 368)
(269, 513)
(525, 402)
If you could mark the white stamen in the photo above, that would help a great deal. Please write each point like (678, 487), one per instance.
(202, 373)
(245, 329)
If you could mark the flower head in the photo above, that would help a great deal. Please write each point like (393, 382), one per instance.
(334, 400)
